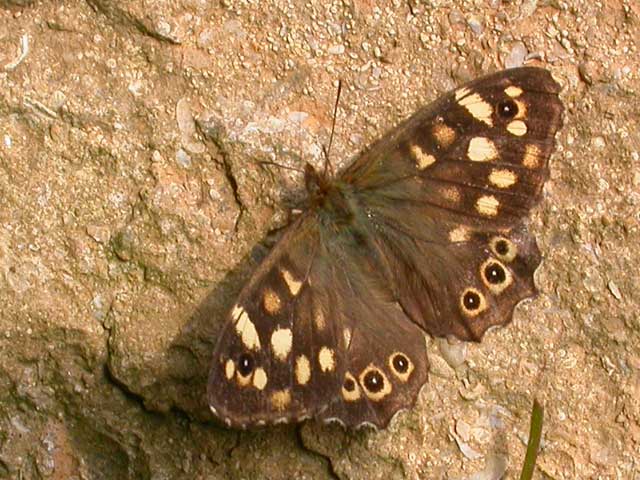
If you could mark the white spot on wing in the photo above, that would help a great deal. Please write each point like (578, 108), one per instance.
(303, 370)
(481, 149)
(346, 333)
(247, 330)
(531, 156)
(229, 369)
(281, 341)
(318, 317)
(293, 284)
(326, 359)
(260, 378)
(422, 159)
(236, 312)
(443, 134)
(502, 178)
(459, 234)
(462, 92)
(271, 301)
(487, 205)
(513, 91)
(280, 399)
(517, 128)
(477, 107)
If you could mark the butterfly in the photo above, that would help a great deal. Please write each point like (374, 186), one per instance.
(423, 234)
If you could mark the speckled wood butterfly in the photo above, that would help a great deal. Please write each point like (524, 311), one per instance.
(423, 233)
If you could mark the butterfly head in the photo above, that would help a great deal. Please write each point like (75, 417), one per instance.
(316, 184)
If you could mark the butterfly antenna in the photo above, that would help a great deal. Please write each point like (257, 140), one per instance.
(327, 150)
(264, 163)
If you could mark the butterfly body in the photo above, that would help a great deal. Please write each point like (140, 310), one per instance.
(422, 234)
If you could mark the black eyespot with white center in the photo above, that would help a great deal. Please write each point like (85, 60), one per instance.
(400, 363)
(246, 364)
(494, 273)
(373, 381)
(471, 300)
(507, 109)
(495, 276)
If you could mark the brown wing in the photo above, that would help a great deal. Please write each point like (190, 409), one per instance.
(315, 334)
(445, 196)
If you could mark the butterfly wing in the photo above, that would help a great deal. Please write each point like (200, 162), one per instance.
(423, 231)
(445, 194)
(311, 338)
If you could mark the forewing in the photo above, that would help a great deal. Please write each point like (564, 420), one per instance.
(446, 193)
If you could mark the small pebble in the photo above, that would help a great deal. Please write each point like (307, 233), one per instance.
(183, 158)
(615, 291)
(598, 142)
(516, 56)
(475, 25)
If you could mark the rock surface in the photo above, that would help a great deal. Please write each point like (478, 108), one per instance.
(133, 195)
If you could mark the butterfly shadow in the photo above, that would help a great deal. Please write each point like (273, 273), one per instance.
(184, 386)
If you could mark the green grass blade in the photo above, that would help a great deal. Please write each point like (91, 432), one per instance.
(535, 434)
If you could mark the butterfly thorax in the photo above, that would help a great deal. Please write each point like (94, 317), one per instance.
(332, 200)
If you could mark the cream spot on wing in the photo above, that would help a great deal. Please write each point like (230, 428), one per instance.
(326, 359)
(450, 193)
(531, 156)
(281, 399)
(522, 109)
(318, 317)
(293, 284)
(229, 369)
(260, 378)
(462, 92)
(459, 234)
(303, 370)
(242, 380)
(236, 312)
(443, 134)
(346, 333)
(281, 341)
(350, 388)
(478, 108)
(487, 205)
(503, 178)
(271, 301)
(247, 331)
(481, 149)
(517, 128)
(422, 159)
(513, 91)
